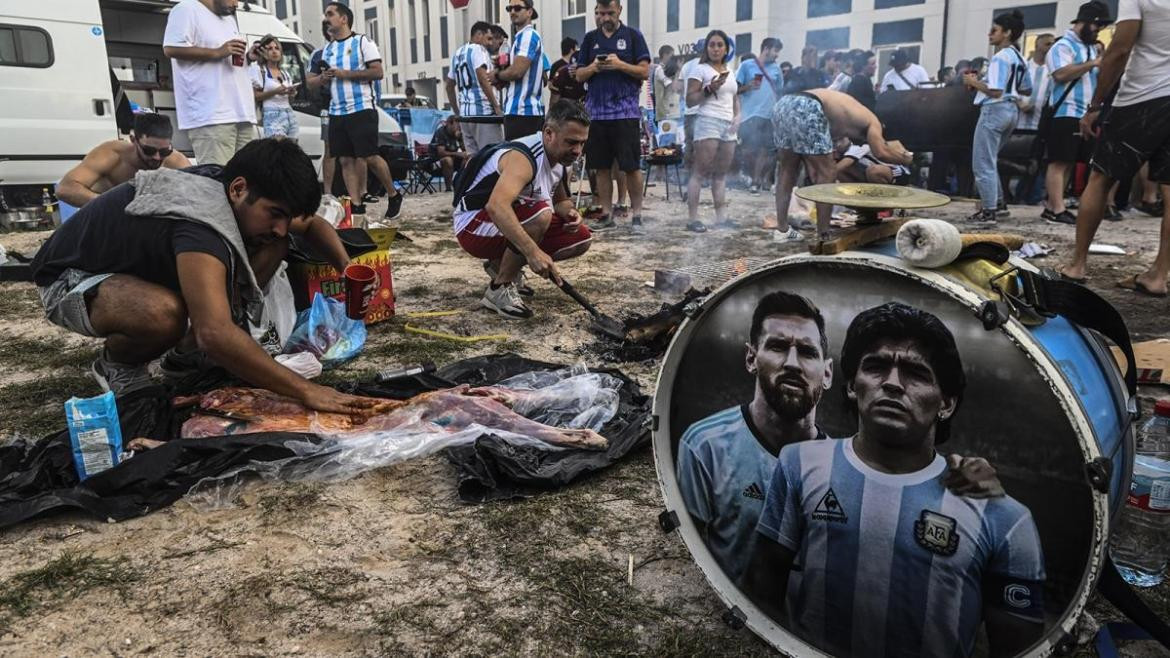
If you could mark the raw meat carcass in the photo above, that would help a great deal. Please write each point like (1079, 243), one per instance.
(450, 410)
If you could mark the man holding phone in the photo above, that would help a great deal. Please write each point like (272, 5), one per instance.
(760, 83)
(614, 61)
(213, 96)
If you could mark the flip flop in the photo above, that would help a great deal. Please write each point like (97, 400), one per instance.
(1133, 284)
(1064, 277)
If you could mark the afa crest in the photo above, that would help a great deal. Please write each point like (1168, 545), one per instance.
(937, 533)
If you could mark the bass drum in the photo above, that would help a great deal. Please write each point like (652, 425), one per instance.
(1040, 403)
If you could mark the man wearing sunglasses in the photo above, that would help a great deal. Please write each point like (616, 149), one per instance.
(523, 76)
(114, 162)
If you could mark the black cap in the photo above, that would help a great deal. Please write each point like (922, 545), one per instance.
(900, 56)
(1093, 12)
(532, 7)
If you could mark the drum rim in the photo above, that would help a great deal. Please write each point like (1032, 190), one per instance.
(728, 593)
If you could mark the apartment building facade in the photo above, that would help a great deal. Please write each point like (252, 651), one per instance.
(417, 37)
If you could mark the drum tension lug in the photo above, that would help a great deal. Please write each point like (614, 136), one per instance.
(1100, 472)
(734, 618)
(695, 308)
(1065, 646)
(993, 314)
(654, 423)
(668, 521)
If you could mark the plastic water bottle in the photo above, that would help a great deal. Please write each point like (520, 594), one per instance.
(1141, 540)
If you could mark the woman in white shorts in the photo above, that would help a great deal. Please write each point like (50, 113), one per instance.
(713, 90)
(273, 87)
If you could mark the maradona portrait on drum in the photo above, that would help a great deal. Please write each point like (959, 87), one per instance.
(891, 562)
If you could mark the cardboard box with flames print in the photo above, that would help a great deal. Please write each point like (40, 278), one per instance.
(311, 278)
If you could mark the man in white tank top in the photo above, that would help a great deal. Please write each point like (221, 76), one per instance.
(512, 207)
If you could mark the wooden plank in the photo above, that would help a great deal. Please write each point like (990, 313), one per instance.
(857, 237)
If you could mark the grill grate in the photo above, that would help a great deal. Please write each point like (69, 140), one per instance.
(710, 274)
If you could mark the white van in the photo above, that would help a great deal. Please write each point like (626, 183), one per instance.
(70, 69)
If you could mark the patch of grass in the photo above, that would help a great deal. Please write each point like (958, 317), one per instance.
(444, 246)
(19, 301)
(290, 499)
(17, 351)
(35, 407)
(65, 577)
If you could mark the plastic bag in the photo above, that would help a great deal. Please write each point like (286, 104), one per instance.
(304, 364)
(95, 433)
(575, 395)
(331, 210)
(326, 332)
(279, 315)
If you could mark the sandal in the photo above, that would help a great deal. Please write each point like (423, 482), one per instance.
(697, 227)
(1134, 285)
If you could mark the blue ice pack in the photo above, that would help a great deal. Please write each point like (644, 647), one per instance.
(95, 432)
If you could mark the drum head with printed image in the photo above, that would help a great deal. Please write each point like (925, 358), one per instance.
(859, 467)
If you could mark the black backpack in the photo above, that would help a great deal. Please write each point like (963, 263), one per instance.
(477, 199)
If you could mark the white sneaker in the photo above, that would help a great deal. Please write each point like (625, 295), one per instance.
(792, 235)
(119, 377)
(506, 301)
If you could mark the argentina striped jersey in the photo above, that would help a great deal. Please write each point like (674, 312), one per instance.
(467, 60)
(896, 565)
(524, 94)
(1008, 73)
(1071, 50)
(352, 54)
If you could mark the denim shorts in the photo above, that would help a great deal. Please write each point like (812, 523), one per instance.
(712, 128)
(281, 122)
(65, 300)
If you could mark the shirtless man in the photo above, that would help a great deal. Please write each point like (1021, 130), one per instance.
(114, 162)
(806, 125)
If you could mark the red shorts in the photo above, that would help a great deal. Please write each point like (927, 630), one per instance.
(482, 239)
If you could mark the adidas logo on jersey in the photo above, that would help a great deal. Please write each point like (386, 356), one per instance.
(829, 509)
(753, 491)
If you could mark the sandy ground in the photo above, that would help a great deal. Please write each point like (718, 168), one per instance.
(391, 562)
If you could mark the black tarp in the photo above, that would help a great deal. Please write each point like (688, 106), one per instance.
(39, 478)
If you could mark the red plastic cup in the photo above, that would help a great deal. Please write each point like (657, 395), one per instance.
(360, 285)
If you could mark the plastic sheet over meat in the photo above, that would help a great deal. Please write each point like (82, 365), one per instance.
(574, 397)
(571, 398)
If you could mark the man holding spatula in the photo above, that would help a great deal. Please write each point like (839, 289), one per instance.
(512, 207)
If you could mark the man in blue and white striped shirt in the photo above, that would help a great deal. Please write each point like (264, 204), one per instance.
(1073, 62)
(524, 75)
(470, 92)
(352, 68)
(893, 564)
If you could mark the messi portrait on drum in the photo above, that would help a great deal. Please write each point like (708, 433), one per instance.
(861, 468)
(892, 563)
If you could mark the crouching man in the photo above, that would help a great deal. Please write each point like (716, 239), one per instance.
(173, 250)
(512, 207)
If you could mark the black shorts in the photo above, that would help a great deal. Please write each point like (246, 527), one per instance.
(1065, 143)
(1132, 136)
(516, 126)
(756, 134)
(354, 135)
(616, 140)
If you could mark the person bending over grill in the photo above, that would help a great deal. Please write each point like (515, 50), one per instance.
(806, 124)
(180, 257)
(512, 207)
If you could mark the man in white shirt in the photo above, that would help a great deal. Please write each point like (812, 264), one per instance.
(1136, 131)
(904, 74)
(213, 97)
